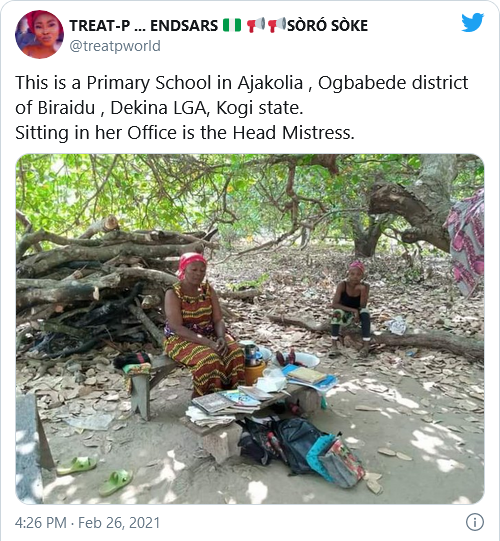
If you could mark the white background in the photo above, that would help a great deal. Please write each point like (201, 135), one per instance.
(406, 39)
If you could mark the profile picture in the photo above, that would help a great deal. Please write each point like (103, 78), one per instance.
(39, 34)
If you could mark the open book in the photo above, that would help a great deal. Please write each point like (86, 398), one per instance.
(240, 399)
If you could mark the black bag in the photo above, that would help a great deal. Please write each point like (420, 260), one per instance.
(255, 443)
(130, 358)
(296, 437)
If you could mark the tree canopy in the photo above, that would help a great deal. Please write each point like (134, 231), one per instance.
(259, 197)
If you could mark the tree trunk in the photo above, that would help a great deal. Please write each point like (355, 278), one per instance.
(366, 238)
(425, 204)
(459, 345)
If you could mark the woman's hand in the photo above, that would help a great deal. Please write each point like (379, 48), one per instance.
(221, 346)
(356, 317)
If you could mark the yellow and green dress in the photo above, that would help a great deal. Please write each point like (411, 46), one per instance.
(211, 372)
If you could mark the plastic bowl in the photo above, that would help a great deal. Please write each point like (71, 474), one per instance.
(308, 360)
(266, 353)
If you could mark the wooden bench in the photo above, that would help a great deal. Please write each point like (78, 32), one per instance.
(220, 441)
(161, 367)
(32, 450)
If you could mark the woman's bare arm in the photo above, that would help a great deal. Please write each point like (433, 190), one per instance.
(219, 325)
(365, 291)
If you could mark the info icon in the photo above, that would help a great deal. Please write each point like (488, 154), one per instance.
(474, 522)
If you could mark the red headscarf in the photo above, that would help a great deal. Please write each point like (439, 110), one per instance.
(32, 16)
(187, 259)
(357, 265)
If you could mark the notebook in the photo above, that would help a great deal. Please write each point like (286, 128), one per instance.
(212, 403)
(256, 394)
(306, 374)
(240, 399)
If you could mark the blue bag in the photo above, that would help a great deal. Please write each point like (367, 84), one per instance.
(333, 460)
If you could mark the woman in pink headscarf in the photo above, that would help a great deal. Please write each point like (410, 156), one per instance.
(195, 333)
(46, 28)
(349, 303)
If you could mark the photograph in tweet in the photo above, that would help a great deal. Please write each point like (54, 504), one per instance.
(151, 287)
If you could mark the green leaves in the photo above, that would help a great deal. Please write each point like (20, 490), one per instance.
(246, 195)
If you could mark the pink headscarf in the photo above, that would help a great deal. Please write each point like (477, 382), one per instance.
(187, 259)
(32, 16)
(357, 265)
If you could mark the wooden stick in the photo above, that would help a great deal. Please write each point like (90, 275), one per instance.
(153, 330)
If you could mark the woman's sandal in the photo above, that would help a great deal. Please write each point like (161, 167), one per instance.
(335, 351)
(77, 464)
(118, 479)
(365, 350)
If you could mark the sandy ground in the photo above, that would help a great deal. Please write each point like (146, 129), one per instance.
(170, 466)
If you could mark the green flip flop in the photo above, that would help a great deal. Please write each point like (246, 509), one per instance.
(77, 464)
(118, 479)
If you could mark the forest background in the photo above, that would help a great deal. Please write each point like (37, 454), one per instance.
(353, 200)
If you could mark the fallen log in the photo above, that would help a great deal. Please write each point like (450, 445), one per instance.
(244, 294)
(33, 239)
(460, 345)
(40, 263)
(63, 292)
(110, 223)
(174, 237)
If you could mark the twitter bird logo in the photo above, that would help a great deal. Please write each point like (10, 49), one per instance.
(471, 25)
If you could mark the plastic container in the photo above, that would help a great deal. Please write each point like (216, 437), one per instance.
(266, 354)
(252, 373)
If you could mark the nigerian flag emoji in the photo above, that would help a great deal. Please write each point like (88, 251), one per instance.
(231, 25)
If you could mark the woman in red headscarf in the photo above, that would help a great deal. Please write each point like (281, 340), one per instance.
(46, 28)
(349, 304)
(196, 334)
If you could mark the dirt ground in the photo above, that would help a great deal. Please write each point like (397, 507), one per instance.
(170, 465)
(426, 404)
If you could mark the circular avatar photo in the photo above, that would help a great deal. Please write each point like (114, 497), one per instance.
(39, 34)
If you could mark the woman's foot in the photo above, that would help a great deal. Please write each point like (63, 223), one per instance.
(365, 350)
(335, 352)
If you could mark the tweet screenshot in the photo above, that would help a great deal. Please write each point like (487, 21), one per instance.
(249, 257)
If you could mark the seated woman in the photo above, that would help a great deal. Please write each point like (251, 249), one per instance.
(196, 334)
(349, 303)
(46, 28)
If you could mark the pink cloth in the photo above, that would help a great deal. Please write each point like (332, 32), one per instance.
(187, 259)
(32, 16)
(357, 265)
(465, 225)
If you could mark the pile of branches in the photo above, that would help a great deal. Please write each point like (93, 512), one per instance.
(103, 287)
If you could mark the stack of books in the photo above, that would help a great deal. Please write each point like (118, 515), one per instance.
(255, 393)
(299, 375)
(240, 402)
(226, 402)
(306, 375)
(211, 403)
